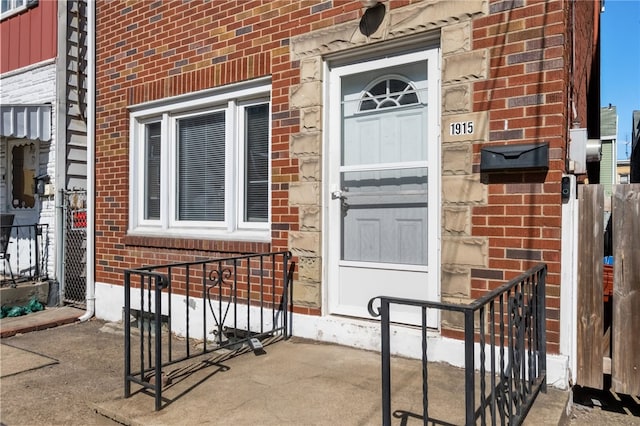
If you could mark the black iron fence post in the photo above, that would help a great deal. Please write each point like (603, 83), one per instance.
(386, 362)
(285, 301)
(37, 231)
(541, 326)
(425, 372)
(127, 334)
(158, 340)
(469, 370)
(289, 295)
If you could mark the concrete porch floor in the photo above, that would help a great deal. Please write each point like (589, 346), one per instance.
(296, 382)
(300, 382)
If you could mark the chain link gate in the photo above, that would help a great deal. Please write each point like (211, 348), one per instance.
(74, 248)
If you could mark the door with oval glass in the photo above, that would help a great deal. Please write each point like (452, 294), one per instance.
(383, 184)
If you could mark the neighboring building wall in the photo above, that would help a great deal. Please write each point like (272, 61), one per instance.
(32, 74)
(28, 37)
(607, 170)
(623, 171)
(608, 136)
(28, 50)
(635, 148)
(35, 85)
(505, 66)
(72, 92)
(583, 52)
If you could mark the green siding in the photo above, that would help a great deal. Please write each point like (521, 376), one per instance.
(606, 168)
(608, 122)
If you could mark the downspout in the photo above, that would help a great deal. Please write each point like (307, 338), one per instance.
(91, 111)
(61, 147)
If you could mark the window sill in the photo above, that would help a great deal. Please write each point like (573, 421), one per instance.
(244, 242)
(12, 12)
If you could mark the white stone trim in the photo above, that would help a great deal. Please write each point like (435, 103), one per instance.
(28, 68)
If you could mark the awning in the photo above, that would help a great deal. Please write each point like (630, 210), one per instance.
(26, 121)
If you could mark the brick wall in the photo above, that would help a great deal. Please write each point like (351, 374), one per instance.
(526, 95)
(585, 70)
(505, 66)
(152, 50)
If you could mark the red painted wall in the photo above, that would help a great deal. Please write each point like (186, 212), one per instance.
(29, 37)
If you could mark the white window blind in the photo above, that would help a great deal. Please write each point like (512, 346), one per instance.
(201, 168)
(257, 163)
(152, 171)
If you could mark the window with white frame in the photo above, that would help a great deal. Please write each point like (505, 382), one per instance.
(11, 7)
(200, 165)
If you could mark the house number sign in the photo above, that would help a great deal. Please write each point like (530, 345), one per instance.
(461, 128)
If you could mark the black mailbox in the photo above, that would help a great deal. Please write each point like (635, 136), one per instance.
(514, 157)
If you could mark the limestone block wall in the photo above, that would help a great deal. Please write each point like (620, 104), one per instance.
(460, 67)
(461, 187)
(305, 194)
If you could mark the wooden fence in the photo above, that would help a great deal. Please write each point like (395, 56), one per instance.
(609, 321)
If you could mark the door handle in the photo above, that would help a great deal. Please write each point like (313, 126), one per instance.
(339, 194)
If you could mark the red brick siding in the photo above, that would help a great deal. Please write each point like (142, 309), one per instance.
(526, 95)
(586, 63)
(150, 50)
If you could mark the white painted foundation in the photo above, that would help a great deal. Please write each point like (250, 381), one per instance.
(358, 333)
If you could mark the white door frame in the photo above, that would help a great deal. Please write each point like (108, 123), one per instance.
(331, 163)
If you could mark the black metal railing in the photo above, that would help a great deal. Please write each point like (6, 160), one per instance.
(507, 325)
(24, 253)
(245, 301)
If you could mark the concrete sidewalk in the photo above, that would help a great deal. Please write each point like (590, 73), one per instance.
(296, 382)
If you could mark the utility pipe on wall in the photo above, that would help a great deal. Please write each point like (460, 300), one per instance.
(91, 112)
(60, 176)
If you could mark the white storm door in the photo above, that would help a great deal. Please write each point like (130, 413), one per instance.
(383, 183)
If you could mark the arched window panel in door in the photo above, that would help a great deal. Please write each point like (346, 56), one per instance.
(388, 92)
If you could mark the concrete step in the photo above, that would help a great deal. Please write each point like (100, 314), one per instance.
(23, 292)
(50, 317)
